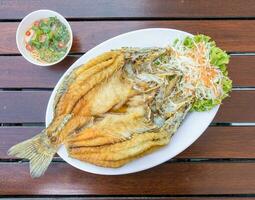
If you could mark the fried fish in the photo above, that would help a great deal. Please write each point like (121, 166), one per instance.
(127, 103)
(68, 118)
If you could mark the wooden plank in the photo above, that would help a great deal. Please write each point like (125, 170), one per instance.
(131, 9)
(166, 179)
(231, 35)
(223, 142)
(16, 72)
(74, 197)
(20, 107)
(12, 135)
(242, 70)
(237, 108)
(135, 198)
(216, 142)
(25, 107)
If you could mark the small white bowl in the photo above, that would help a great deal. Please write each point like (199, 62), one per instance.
(26, 23)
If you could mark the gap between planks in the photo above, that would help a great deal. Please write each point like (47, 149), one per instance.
(133, 197)
(173, 160)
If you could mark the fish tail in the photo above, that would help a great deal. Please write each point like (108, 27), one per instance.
(37, 150)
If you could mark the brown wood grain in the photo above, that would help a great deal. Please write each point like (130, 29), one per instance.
(165, 179)
(223, 142)
(132, 9)
(136, 198)
(18, 107)
(16, 72)
(237, 108)
(231, 35)
(242, 70)
(30, 106)
(10, 136)
(216, 142)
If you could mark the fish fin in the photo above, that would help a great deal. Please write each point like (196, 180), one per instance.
(37, 150)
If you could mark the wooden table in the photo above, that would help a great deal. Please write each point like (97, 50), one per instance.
(219, 165)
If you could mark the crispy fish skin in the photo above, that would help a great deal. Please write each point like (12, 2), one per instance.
(105, 96)
(88, 79)
(80, 71)
(41, 148)
(120, 163)
(111, 129)
(116, 155)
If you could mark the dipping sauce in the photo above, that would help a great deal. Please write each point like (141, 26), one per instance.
(47, 40)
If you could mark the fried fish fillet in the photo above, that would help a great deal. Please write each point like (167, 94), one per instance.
(112, 128)
(106, 114)
(85, 78)
(118, 154)
(105, 96)
(80, 82)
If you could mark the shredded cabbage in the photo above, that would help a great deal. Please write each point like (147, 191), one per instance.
(219, 59)
(190, 74)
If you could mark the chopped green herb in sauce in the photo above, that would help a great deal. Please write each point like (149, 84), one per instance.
(47, 40)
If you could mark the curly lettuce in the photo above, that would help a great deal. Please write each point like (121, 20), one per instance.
(218, 58)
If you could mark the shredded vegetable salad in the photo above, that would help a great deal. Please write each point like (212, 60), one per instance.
(213, 84)
(202, 67)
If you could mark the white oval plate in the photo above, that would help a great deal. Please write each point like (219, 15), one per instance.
(192, 127)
